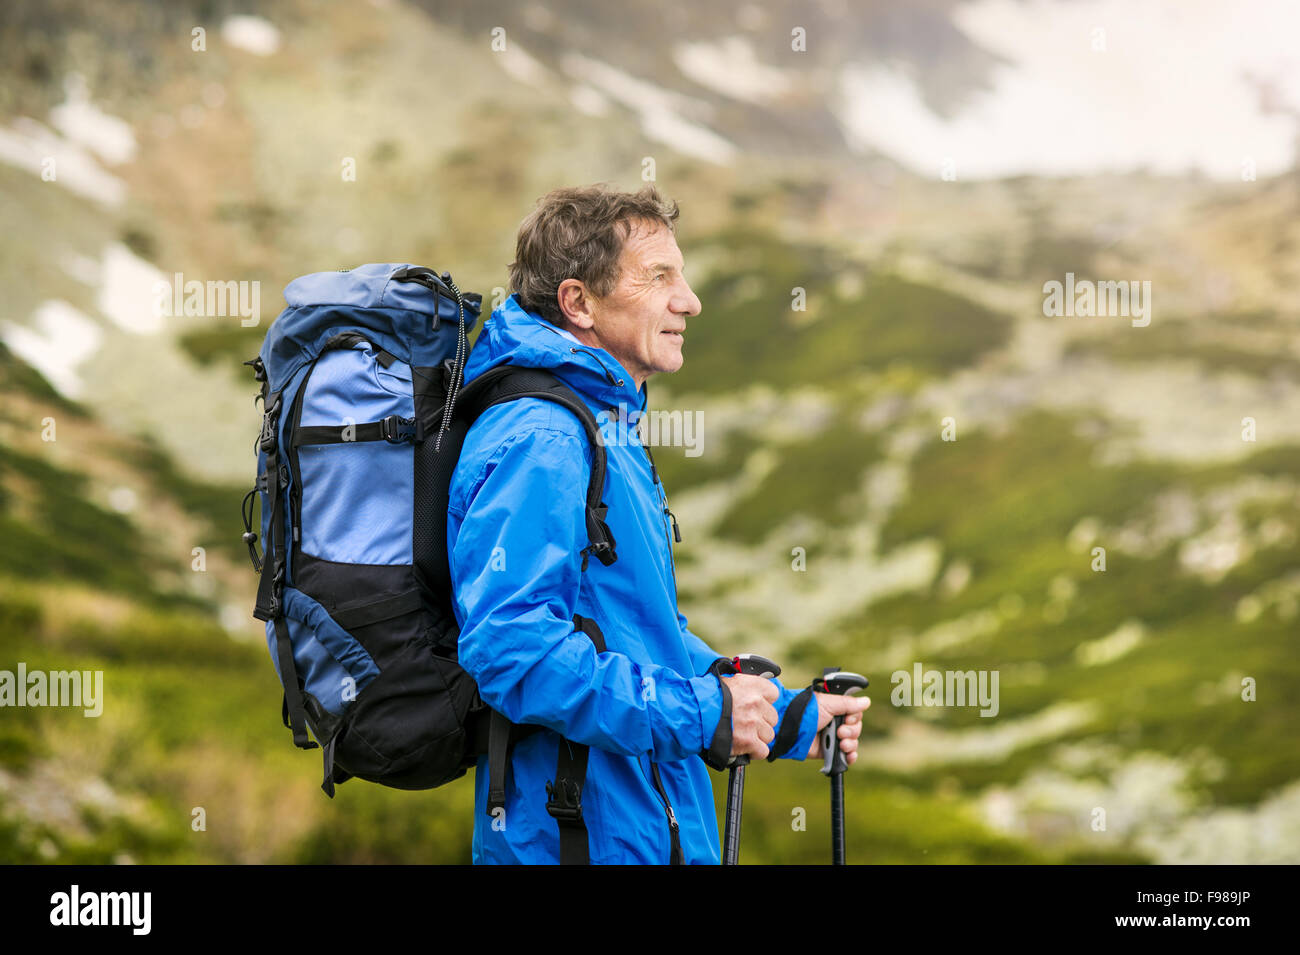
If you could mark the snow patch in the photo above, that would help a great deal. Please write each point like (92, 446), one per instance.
(520, 66)
(666, 117)
(126, 293)
(255, 35)
(1171, 88)
(60, 339)
(85, 124)
(730, 67)
(588, 100)
(32, 147)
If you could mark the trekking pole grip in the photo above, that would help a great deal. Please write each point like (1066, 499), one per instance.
(836, 682)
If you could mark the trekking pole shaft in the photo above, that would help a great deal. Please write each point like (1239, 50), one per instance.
(735, 799)
(837, 819)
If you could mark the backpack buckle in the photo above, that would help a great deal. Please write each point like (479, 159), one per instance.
(564, 801)
(266, 441)
(396, 430)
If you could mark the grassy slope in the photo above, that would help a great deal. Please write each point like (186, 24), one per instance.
(1005, 506)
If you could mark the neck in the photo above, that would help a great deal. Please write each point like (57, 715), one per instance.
(589, 337)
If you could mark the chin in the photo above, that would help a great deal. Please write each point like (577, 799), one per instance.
(670, 365)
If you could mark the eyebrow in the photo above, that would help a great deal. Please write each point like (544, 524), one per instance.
(668, 267)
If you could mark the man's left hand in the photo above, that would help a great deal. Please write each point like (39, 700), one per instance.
(830, 705)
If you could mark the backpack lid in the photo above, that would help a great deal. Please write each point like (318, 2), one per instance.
(408, 311)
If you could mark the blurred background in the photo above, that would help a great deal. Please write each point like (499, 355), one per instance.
(908, 457)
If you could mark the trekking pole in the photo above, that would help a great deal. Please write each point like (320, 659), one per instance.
(838, 683)
(753, 665)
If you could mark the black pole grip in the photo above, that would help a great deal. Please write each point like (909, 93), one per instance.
(838, 683)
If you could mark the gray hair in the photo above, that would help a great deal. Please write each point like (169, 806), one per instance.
(578, 233)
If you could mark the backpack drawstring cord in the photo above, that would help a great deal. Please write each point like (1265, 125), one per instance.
(458, 365)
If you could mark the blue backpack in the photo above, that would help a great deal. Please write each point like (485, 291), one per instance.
(364, 418)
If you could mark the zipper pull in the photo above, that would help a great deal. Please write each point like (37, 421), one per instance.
(672, 818)
(654, 472)
(677, 532)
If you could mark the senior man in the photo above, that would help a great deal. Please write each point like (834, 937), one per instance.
(599, 299)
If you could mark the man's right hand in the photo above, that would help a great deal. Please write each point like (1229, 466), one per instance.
(753, 717)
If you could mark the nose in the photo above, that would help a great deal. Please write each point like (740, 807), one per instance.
(686, 302)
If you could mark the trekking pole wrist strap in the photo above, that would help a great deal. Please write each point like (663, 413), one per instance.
(787, 733)
(718, 755)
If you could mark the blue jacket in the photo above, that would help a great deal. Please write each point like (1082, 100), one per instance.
(515, 526)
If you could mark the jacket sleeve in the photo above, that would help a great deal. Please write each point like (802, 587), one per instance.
(703, 656)
(516, 563)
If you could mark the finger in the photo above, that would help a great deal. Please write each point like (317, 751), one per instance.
(766, 733)
(770, 692)
(770, 715)
(844, 705)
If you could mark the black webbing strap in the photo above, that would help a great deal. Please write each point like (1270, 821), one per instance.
(571, 768)
(564, 795)
(718, 755)
(292, 692)
(327, 783)
(589, 627)
(273, 557)
(500, 743)
(564, 802)
(271, 586)
(392, 429)
(788, 732)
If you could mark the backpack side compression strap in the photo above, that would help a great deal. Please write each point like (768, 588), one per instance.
(270, 590)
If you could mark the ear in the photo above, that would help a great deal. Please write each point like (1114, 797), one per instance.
(576, 303)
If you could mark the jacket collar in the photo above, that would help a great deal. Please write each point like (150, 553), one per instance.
(519, 337)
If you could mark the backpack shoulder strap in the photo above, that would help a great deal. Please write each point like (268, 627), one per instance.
(506, 383)
(564, 794)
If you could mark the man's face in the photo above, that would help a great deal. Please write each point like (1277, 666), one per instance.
(641, 322)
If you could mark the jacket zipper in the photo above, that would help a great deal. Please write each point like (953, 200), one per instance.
(654, 768)
(675, 533)
(609, 375)
(673, 829)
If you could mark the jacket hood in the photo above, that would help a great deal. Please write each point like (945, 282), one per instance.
(513, 335)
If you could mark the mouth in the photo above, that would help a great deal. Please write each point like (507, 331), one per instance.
(674, 334)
